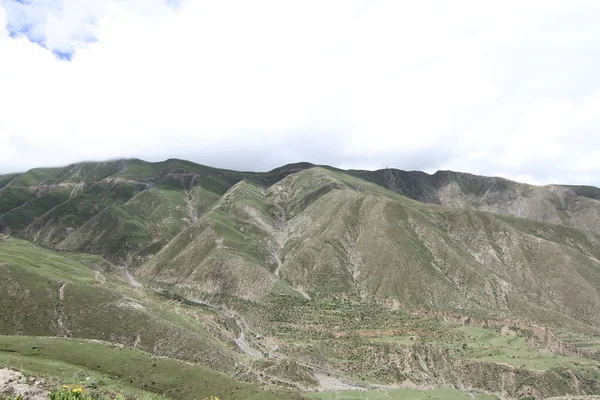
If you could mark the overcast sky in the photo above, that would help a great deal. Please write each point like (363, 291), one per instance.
(509, 88)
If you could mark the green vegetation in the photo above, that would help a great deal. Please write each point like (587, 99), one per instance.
(358, 338)
(51, 294)
(485, 345)
(13, 198)
(22, 216)
(6, 179)
(124, 370)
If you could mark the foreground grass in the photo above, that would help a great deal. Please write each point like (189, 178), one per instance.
(125, 370)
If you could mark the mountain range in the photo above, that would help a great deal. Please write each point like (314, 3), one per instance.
(310, 279)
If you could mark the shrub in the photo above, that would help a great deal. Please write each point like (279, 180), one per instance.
(72, 392)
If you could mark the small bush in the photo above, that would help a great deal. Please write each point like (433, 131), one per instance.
(72, 392)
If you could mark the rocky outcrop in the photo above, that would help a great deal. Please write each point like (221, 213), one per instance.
(13, 384)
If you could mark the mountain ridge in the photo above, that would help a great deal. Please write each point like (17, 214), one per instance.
(46, 188)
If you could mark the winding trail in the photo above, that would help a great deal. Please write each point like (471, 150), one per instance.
(130, 279)
(244, 346)
(240, 341)
(63, 331)
(332, 383)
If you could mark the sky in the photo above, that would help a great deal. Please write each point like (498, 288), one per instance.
(507, 88)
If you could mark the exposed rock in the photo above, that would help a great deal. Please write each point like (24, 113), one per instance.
(13, 383)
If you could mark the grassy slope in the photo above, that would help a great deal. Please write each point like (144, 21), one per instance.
(125, 369)
(223, 252)
(97, 304)
(6, 179)
(125, 210)
(350, 354)
(83, 296)
(20, 217)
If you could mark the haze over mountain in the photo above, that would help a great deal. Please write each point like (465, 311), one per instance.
(496, 89)
(313, 263)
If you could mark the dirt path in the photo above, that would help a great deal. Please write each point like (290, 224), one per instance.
(63, 331)
(99, 277)
(130, 279)
(244, 346)
(302, 292)
(240, 341)
(331, 383)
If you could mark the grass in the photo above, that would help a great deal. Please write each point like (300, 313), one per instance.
(119, 219)
(64, 219)
(35, 176)
(239, 236)
(29, 257)
(6, 179)
(13, 197)
(127, 370)
(106, 309)
(487, 345)
(20, 217)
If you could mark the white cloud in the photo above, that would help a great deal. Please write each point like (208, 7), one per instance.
(508, 89)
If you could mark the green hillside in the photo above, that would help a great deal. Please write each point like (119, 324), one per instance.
(306, 279)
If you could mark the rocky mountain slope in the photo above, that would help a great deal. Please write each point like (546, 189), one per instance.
(319, 278)
(147, 204)
(575, 206)
(319, 233)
